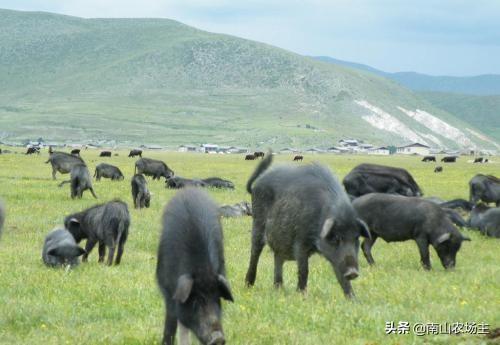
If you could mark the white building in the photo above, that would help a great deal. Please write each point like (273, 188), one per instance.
(414, 149)
(382, 151)
(187, 148)
(209, 148)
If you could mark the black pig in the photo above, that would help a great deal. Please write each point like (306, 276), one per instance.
(80, 181)
(107, 171)
(301, 210)
(140, 192)
(106, 223)
(60, 249)
(396, 218)
(190, 269)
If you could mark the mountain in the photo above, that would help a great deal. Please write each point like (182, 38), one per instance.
(488, 84)
(158, 81)
(482, 112)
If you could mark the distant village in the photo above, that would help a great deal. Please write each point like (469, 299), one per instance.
(343, 146)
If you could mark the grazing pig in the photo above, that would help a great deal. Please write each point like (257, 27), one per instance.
(484, 188)
(429, 159)
(240, 209)
(301, 210)
(33, 149)
(449, 159)
(396, 218)
(153, 167)
(298, 158)
(178, 182)
(249, 157)
(2, 216)
(80, 181)
(258, 154)
(190, 269)
(140, 192)
(135, 152)
(62, 162)
(106, 223)
(486, 219)
(218, 182)
(373, 178)
(438, 169)
(60, 249)
(478, 160)
(105, 154)
(107, 171)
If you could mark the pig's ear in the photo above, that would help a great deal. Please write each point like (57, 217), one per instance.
(184, 287)
(224, 288)
(443, 238)
(327, 227)
(365, 231)
(81, 251)
(74, 221)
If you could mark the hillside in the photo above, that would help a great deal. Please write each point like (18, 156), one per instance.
(159, 81)
(482, 112)
(488, 84)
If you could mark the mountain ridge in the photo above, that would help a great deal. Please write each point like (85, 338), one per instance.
(162, 82)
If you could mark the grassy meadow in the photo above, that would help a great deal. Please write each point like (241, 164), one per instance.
(95, 304)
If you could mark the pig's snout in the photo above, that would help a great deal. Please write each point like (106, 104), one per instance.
(217, 338)
(351, 273)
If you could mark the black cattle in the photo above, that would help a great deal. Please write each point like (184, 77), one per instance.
(190, 270)
(249, 157)
(240, 209)
(298, 211)
(75, 152)
(485, 219)
(108, 171)
(105, 154)
(438, 169)
(140, 192)
(298, 158)
(485, 188)
(2, 216)
(372, 178)
(33, 149)
(106, 224)
(60, 249)
(135, 152)
(429, 159)
(396, 218)
(178, 182)
(258, 154)
(80, 181)
(153, 167)
(62, 162)
(449, 159)
(218, 182)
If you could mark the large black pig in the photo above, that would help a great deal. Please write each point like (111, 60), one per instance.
(396, 218)
(301, 210)
(190, 269)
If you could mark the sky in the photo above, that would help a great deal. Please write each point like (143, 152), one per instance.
(437, 37)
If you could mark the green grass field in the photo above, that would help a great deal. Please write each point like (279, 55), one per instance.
(95, 304)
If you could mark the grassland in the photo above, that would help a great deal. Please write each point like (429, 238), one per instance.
(94, 304)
